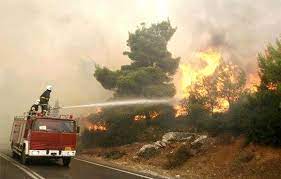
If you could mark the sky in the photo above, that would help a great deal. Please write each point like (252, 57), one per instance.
(59, 42)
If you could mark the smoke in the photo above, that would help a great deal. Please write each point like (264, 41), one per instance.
(54, 42)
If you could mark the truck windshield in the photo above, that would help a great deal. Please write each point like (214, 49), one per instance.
(54, 125)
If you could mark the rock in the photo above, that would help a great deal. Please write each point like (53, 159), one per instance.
(200, 139)
(146, 147)
(196, 145)
(160, 144)
(147, 151)
(164, 144)
(177, 136)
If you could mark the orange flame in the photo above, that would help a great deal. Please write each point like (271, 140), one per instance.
(253, 82)
(272, 87)
(153, 114)
(97, 127)
(222, 107)
(139, 117)
(189, 74)
(180, 110)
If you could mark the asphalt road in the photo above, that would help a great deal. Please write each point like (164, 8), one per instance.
(79, 169)
(8, 170)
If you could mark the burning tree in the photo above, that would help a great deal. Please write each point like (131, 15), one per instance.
(204, 93)
(230, 82)
(152, 67)
(218, 90)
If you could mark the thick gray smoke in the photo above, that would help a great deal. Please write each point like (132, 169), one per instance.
(58, 42)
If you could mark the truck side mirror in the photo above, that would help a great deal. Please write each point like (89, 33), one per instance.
(78, 129)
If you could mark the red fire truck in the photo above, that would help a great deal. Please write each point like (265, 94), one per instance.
(44, 137)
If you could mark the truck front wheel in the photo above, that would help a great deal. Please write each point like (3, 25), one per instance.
(23, 158)
(14, 154)
(66, 161)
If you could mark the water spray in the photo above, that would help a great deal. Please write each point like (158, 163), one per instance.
(122, 103)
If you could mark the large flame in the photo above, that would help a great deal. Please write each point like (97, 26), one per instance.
(189, 74)
(223, 105)
(253, 82)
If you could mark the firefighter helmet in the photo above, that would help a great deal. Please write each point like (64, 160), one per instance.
(49, 87)
(37, 101)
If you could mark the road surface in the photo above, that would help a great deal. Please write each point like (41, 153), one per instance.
(79, 168)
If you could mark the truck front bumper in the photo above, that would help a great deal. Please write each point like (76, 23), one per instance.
(52, 153)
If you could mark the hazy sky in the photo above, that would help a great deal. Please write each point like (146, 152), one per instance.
(58, 42)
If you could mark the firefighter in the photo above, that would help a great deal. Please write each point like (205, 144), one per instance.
(44, 99)
(34, 108)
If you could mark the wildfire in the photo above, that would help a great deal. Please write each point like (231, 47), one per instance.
(272, 87)
(139, 117)
(222, 107)
(93, 125)
(180, 110)
(151, 115)
(96, 127)
(253, 82)
(189, 74)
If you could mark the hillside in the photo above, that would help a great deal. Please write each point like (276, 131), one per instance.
(219, 157)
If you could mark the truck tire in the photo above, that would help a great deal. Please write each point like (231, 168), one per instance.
(66, 161)
(14, 154)
(23, 158)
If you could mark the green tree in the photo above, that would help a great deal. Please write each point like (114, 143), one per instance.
(264, 107)
(270, 67)
(152, 67)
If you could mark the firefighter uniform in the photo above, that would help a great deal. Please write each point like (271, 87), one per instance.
(34, 108)
(44, 99)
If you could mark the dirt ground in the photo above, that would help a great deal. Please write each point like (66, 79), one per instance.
(220, 157)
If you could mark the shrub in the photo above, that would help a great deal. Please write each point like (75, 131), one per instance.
(264, 118)
(178, 158)
(122, 129)
(115, 154)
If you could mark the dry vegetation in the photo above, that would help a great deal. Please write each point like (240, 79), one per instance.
(220, 157)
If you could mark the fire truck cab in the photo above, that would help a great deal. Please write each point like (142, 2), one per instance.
(44, 137)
